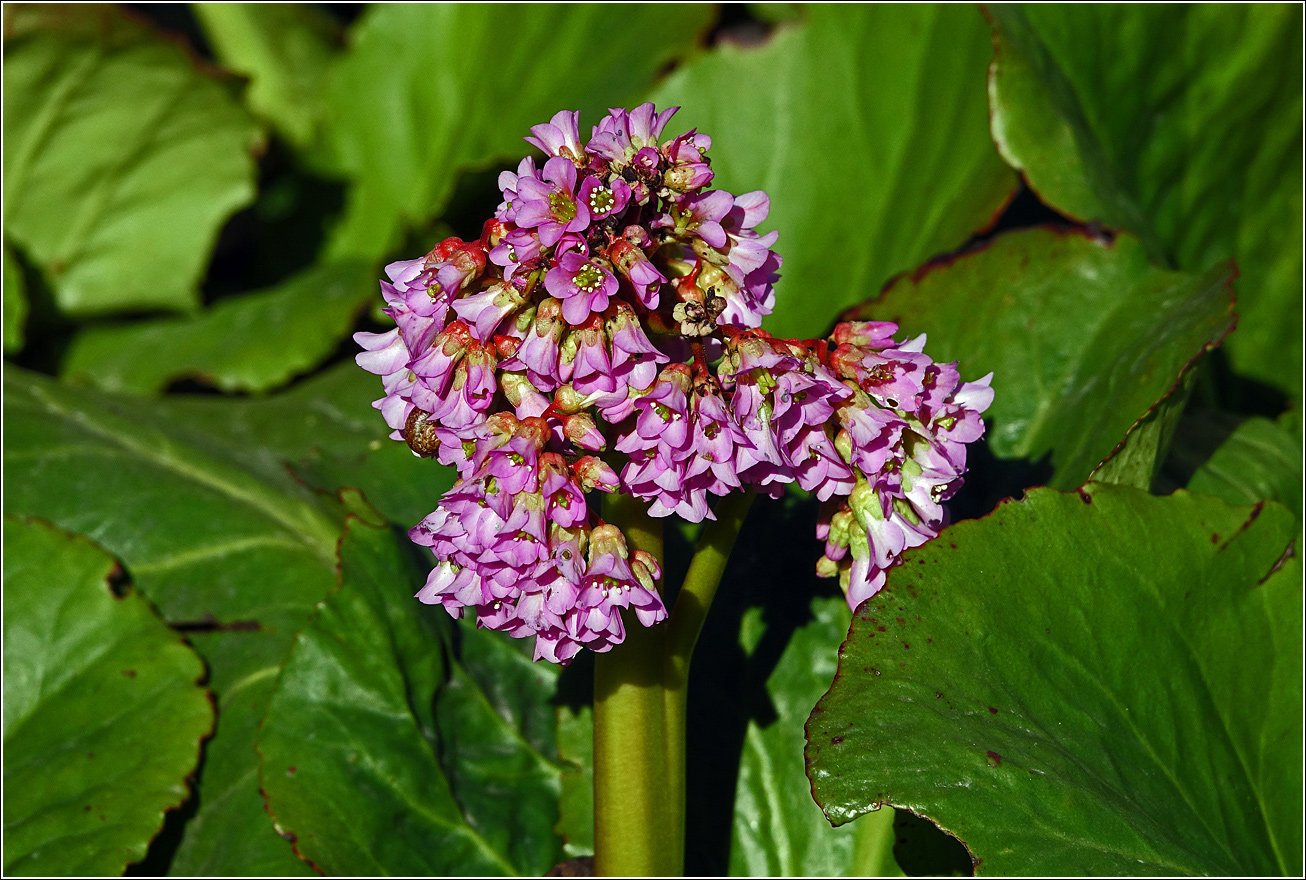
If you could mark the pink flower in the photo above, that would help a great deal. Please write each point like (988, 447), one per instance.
(582, 285)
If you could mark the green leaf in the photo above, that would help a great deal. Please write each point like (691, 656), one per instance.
(1098, 682)
(351, 749)
(232, 834)
(327, 431)
(121, 159)
(253, 342)
(1137, 460)
(1083, 338)
(868, 128)
(427, 91)
(497, 747)
(199, 527)
(103, 715)
(778, 831)
(1182, 124)
(15, 304)
(194, 495)
(576, 800)
(285, 49)
(1259, 461)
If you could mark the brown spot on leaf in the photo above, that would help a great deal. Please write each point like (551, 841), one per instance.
(835, 740)
(130, 673)
(994, 759)
(993, 710)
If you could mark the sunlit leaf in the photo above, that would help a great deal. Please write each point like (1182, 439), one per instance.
(425, 91)
(1182, 124)
(285, 49)
(868, 128)
(121, 158)
(1097, 682)
(253, 342)
(103, 715)
(1083, 338)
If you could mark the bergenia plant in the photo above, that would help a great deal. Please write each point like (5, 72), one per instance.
(602, 339)
(999, 307)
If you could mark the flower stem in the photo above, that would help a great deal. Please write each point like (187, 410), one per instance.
(640, 690)
(687, 617)
(638, 828)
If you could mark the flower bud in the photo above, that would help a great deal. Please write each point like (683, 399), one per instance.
(872, 334)
(567, 400)
(595, 473)
(580, 429)
(686, 178)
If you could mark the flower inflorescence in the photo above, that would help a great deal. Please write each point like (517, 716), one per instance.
(602, 336)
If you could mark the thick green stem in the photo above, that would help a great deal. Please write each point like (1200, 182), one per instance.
(692, 603)
(640, 690)
(639, 824)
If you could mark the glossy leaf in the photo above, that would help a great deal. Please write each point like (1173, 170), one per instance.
(1083, 338)
(778, 831)
(351, 747)
(1098, 682)
(1259, 461)
(253, 342)
(194, 495)
(103, 715)
(115, 147)
(497, 746)
(15, 303)
(231, 834)
(199, 519)
(1137, 459)
(327, 432)
(285, 49)
(868, 128)
(427, 91)
(1182, 124)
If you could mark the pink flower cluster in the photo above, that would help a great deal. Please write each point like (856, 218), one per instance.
(601, 336)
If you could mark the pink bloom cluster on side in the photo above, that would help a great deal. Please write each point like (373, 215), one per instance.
(601, 336)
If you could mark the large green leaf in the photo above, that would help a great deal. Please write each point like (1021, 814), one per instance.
(285, 49)
(200, 514)
(327, 431)
(1180, 123)
(426, 91)
(1083, 338)
(497, 746)
(102, 712)
(1097, 682)
(868, 127)
(253, 342)
(778, 831)
(121, 158)
(193, 494)
(352, 746)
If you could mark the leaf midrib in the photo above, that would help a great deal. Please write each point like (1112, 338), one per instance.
(311, 527)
